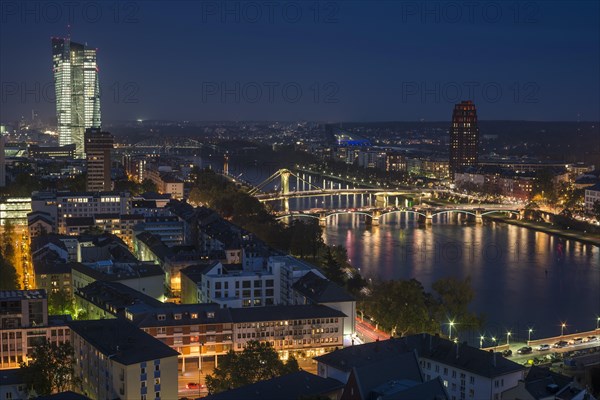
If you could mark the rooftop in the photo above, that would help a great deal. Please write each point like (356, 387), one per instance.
(22, 294)
(121, 340)
(282, 313)
(320, 290)
(296, 385)
(461, 356)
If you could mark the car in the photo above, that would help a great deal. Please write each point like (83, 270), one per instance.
(560, 344)
(590, 339)
(576, 341)
(192, 385)
(507, 353)
(525, 350)
(543, 347)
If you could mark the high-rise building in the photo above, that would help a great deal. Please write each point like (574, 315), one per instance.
(98, 146)
(77, 91)
(2, 165)
(464, 137)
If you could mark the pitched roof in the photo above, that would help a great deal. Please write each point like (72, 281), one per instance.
(296, 385)
(124, 342)
(430, 390)
(538, 380)
(387, 375)
(461, 356)
(320, 290)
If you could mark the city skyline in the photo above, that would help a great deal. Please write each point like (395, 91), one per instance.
(382, 63)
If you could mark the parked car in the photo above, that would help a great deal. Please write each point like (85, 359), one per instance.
(525, 350)
(543, 347)
(560, 344)
(576, 341)
(590, 339)
(507, 353)
(192, 385)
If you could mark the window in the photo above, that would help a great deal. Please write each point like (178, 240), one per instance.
(157, 381)
(158, 395)
(246, 284)
(143, 383)
(472, 380)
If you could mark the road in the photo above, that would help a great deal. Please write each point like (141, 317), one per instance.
(369, 333)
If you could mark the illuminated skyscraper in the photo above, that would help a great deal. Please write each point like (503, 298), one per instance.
(98, 146)
(77, 91)
(2, 166)
(464, 137)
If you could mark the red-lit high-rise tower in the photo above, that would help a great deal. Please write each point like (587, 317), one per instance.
(464, 137)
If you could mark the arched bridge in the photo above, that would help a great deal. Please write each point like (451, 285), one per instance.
(375, 216)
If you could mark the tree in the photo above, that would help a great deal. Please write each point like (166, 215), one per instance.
(332, 267)
(9, 279)
(60, 303)
(196, 197)
(257, 362)
(402, 306)
(454, 297)
(596, 210)
(51, 368)
(149, 186)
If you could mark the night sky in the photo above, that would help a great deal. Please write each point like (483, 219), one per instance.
(305, 60)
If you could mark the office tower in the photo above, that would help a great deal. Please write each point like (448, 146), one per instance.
(2, 165)
(77, 91)
(464, 137)
(98, 146)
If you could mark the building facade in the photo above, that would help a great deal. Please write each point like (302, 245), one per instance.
(98, 146)
(464, 137)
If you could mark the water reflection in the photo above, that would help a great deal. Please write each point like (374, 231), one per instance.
(522, 278)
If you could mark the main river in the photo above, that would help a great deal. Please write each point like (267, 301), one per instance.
(522, 278)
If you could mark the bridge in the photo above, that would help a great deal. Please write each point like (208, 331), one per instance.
(283, 176)
(375, 216)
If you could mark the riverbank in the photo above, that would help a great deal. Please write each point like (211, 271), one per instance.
(550, 229)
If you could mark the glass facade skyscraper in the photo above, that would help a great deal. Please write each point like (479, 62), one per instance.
(77, 91)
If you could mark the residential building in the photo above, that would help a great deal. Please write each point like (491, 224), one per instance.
(77, 91)
(315, 289)
(52, 276)
(466, 372)
(116, 359)
(307, 329)
(592, 195)
(12, 384)
(24, 323)
(98, 146)
(464, 137)
(545, 384)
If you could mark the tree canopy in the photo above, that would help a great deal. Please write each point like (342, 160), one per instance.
(51, 368)
(257, 362)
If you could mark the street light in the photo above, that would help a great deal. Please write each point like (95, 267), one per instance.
(598, 323)
(508, 337)
(494, 340)
(562, 329)
(450, 324)
(529, 336)
(481, 338)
